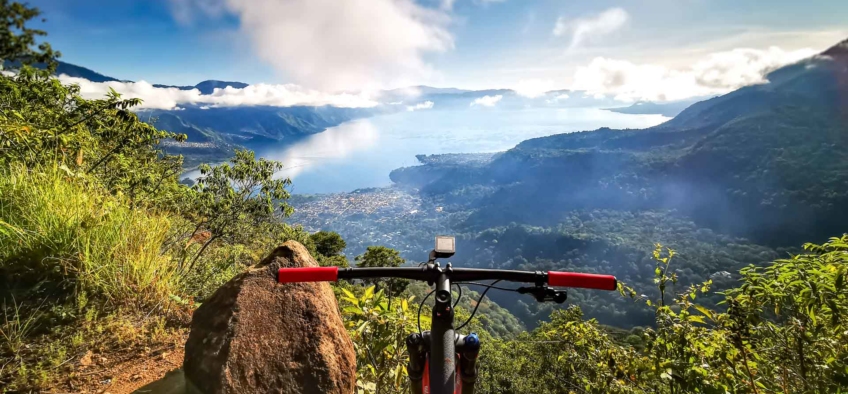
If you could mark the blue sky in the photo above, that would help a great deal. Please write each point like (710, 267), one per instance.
(353, 44)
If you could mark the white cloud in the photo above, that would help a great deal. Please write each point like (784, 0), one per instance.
(487, 101)
(740, 67)
(718, 73)
(260, 94)
(556, 99)
(342, 44)
(419, 106)
(588, 29)
(532, 88)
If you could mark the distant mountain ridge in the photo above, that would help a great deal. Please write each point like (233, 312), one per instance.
(669, 109)
(73, 70)
(205, 87)
(208, 86)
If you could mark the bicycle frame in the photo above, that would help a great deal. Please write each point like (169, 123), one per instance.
(433, 354)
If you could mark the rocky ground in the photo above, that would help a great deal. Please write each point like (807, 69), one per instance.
(124, 371)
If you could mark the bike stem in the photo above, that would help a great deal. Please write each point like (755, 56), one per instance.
(443, 344)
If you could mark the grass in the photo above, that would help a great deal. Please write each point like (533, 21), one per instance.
(101, 269)
(16, 327)
(59, 229)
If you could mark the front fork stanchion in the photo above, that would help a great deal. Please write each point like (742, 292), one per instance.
(468, 348)
(417, 359)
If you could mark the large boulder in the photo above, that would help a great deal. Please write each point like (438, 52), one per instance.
(257, 336)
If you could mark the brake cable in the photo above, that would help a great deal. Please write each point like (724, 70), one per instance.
(486, 285)
(479, 301)
(420, 306)
(541, 293)
(459, 297)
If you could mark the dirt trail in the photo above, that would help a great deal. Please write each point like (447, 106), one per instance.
(123, 372)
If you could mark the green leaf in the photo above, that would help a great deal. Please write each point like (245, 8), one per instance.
(694, 318)
(352, 310)
(369, 293)
(705, 311)
(348, 293)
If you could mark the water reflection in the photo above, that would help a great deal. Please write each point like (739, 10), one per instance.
(335, 143)
(362, 153)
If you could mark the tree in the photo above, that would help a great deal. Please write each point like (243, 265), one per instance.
(239, 201)
(328, 243)
(381, 256)
(17, 40)
(379, 330)
(47, 124)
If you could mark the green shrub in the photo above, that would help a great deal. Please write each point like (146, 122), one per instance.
(63, 232)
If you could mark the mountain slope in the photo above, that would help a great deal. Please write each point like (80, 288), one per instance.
(73, 70)
(767, 162)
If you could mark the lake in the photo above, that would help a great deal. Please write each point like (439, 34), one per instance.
(362, 153)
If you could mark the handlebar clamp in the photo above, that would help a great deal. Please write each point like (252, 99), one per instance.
(545, 293)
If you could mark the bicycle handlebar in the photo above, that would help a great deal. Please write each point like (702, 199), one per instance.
(552, 278)
(440, 363)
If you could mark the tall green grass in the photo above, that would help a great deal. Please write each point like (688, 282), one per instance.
(58, 229)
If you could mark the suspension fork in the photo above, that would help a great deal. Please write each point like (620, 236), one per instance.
(417, 361)
(435, 352)
(468, 348)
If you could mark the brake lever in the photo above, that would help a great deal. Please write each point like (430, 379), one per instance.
(545, 293)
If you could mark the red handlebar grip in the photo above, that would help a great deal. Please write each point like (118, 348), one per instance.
(586, 281)
(308, 274)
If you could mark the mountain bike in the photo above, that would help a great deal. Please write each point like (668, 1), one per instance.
(437, 356)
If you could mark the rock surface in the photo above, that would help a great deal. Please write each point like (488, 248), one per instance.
(257, 336)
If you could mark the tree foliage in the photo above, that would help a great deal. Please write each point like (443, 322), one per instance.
(18, 41)
(783, 331)
(381, 256)
(328, 243)
(238, 201)
(379, 329)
